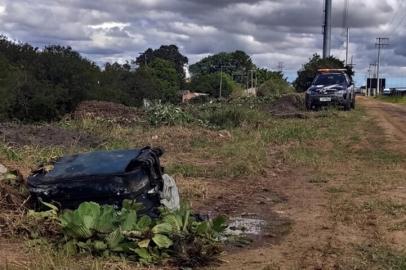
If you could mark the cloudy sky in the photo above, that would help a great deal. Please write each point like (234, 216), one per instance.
(271, 31)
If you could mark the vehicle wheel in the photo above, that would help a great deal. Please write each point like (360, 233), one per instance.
(353, 103)
(347, 106)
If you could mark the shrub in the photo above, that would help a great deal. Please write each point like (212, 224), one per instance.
(167, 114)
(274, 87)
(103, 230)
(227, 115)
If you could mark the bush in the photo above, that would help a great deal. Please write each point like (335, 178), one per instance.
(227, 115)
(102, 230)
(167, 114)
(210, 84)
(274, 87)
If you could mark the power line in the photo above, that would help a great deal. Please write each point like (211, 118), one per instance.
(398, 25)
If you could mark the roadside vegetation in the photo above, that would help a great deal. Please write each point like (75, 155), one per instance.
(210, 146)
(393, 99)
(227, 156)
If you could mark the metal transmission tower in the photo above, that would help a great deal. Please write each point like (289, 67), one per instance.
(327, 28)
(381, 43)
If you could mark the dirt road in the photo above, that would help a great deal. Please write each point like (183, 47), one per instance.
(391, 117)
(349, 214)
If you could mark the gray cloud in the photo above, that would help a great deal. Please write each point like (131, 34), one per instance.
(270, 30)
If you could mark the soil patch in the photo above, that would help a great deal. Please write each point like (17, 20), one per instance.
(44, 135)
(109, 111)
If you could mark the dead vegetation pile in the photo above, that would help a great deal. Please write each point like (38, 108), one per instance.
(15, 205)
(108, 111)
(13, 200)
(14, 134)
(289, 106)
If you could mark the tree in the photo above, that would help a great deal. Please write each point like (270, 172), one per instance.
(166, 52)
(158, 80)
(264, 75)
(66, 69)
(210, 84)
(114, 84)
(42, 85)
(235, 64)
(274, 86)
(309, 70)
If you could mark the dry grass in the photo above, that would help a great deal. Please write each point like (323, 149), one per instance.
(345, 153)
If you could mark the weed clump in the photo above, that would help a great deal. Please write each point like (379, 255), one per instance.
(176, 237)
(167, 114)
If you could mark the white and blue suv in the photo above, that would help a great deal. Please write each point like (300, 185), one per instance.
(331, 87)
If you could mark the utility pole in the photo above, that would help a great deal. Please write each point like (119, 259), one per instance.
(327, 28)
(368, 79)
(347, 47)
(347, 30)
(381, 43)
(280, 67)
(221, 80)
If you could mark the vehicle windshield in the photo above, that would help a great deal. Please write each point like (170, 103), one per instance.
(329, 79)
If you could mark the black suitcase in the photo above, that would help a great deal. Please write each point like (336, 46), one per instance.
(106, 177)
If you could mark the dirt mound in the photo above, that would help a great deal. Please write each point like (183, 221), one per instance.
(114, 112)
(289, 106)
(44, 135)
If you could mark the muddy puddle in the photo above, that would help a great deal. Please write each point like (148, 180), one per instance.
(245, 226)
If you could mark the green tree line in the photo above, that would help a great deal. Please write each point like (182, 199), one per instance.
(44, 85)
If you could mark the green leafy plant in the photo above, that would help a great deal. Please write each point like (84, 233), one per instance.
(167, 114)
(103, 230)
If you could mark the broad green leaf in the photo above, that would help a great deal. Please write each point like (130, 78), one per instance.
(106, 220)
(66, 218)
(70, 247)
(89, 213)
(144, 223)
(78, 231)
(143, 253)
(203, 228)
(128, 220)
(186, 220)
(114, 239)
(85, 245)
(144, 243)
(164, 228)
(219, 224)
(162, 241)
(174, 220)
(99, 245)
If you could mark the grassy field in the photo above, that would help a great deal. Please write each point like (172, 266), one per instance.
(341, 156)
(393, 99)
